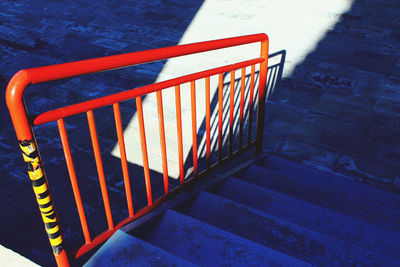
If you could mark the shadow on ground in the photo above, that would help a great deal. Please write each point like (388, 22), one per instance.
(40, 33)
(338, 111)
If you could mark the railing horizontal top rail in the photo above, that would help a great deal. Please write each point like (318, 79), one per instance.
(23, 78)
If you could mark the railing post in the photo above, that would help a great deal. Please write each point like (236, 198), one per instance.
(32, 158)
(261, 97)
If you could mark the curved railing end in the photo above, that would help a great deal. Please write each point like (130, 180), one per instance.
(14, 99)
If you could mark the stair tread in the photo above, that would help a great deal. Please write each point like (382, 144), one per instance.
(122, 249)
(354, 205)
(335, 224)
(274, 212)
(329, 180)
(207, 245)
(287, 237)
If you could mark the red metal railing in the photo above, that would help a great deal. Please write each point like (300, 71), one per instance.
(24, 127)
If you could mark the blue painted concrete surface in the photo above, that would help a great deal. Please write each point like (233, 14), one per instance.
(273, 232)
(243, 221)
(207, 245)
(310, 215)
(338, 111)
(123, 249)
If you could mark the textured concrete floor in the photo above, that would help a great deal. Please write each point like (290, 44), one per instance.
(337, 108)
(346, 99)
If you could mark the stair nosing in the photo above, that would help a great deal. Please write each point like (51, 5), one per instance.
(291, 198)
(332, 239)
(348, 195)
(227, 233)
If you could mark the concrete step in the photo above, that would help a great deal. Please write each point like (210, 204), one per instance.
(123, 249)
(328, 180)
(314, 217)
(347, 197)
(289, 238)
(207, 245)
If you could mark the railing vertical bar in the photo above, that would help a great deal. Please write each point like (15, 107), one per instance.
(231, 109)
(253, 70)
(100, 170)
(179, 130)
(194, 126)
(220, 114)
(74, 182)
(139, 108)
(241, 106)
(208, 144)
(124, 162)
(162, 140)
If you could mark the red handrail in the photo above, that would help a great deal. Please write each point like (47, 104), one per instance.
(24, 126)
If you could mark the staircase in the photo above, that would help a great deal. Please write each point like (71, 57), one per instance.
(273, 212)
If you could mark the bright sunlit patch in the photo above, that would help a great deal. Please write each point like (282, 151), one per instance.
(292, 25)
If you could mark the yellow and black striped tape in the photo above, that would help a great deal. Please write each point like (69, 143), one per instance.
(41, 189)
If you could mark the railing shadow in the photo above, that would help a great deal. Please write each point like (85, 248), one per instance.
(274, 78)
